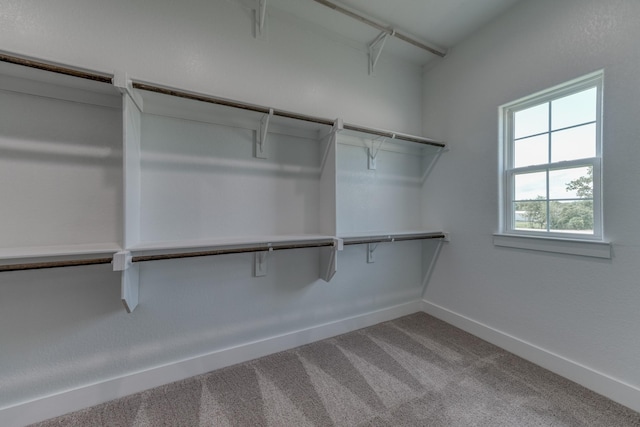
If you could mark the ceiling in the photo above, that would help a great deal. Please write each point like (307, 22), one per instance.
(438, 23)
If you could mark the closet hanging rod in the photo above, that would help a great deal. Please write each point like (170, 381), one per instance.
(439, 52)
(230, 103)
(281, 113)
(103, 78)
(259, 248)
(400, 238)
(54, 264)
(387, 134)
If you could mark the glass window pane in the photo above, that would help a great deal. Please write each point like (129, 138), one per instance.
(574, 143)
(530, 215)
(574, 109)
(571, 217)
(531, 151)
(530, 186)
(574, 183)
(531, 121)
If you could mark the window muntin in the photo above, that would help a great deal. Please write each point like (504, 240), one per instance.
(551, 166)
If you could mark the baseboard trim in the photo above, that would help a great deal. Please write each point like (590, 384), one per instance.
(72, 400)
(603, 384)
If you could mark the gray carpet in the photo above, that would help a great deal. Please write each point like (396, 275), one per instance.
(412, 371)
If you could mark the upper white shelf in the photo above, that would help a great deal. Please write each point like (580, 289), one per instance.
(190, 248)
(47, 252)
(378, 237)
(30, 258)
(57, 81)
(173, 102)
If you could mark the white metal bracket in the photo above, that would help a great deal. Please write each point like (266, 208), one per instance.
(375, 49)
(259, 15)
(338, 125)
(129, 285)
(429, 163)
(371, 159)
(260, 263)
(123, 83)
(372, 153)
(261, 136)
(329, 259)
(371, 248)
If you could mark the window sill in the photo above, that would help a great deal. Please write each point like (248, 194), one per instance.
(595, 249)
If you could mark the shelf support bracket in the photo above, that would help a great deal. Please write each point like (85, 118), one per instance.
(130, 278)
(260, 263)
(375, 49)
(430, 163)
(329, 258)
(372, 153)
(261, 137)
(338, 125)
(371, 248)
(259, 20)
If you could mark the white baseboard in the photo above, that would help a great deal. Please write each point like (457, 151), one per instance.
(72, 400)
(603, 384)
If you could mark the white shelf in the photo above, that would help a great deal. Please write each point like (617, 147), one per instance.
(30, 258)
(428, 145)
(375, 237)
(42, 252)
(84, 86)
(259, 242)
(192, 109)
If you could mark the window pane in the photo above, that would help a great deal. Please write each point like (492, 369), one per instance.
(574, 143)
(530, 215)
(574, 183)
(573, 217)
(530, 186)
(531, 121)
(574, 109)
(531, 151)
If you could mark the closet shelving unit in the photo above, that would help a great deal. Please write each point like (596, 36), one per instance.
(60, 149)
(182, 174)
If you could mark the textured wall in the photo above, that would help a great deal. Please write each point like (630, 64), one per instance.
(208, 46)
(66, 328)
(579, 308)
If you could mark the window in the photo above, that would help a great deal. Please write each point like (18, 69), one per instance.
(551, 162)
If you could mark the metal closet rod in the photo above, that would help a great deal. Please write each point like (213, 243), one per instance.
(281, 113)
(383, 239)
(259, 248)
(143, 258)
(55, 68)
(210, 99)
(54, 264)
(387, 30)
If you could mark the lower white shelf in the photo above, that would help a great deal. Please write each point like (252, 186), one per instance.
(38, 257)
(151, 251)
(379, 237)
(127, 262)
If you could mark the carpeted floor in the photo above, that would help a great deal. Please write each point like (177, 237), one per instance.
(412, 371)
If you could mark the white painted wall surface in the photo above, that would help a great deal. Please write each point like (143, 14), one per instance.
(208, 46)
(582, 309)
(66, 329)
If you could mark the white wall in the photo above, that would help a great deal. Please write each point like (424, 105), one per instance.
(578, 308)
(208, 46)
(66, 329)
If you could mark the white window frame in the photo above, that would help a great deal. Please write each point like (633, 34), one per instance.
(507, 171)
